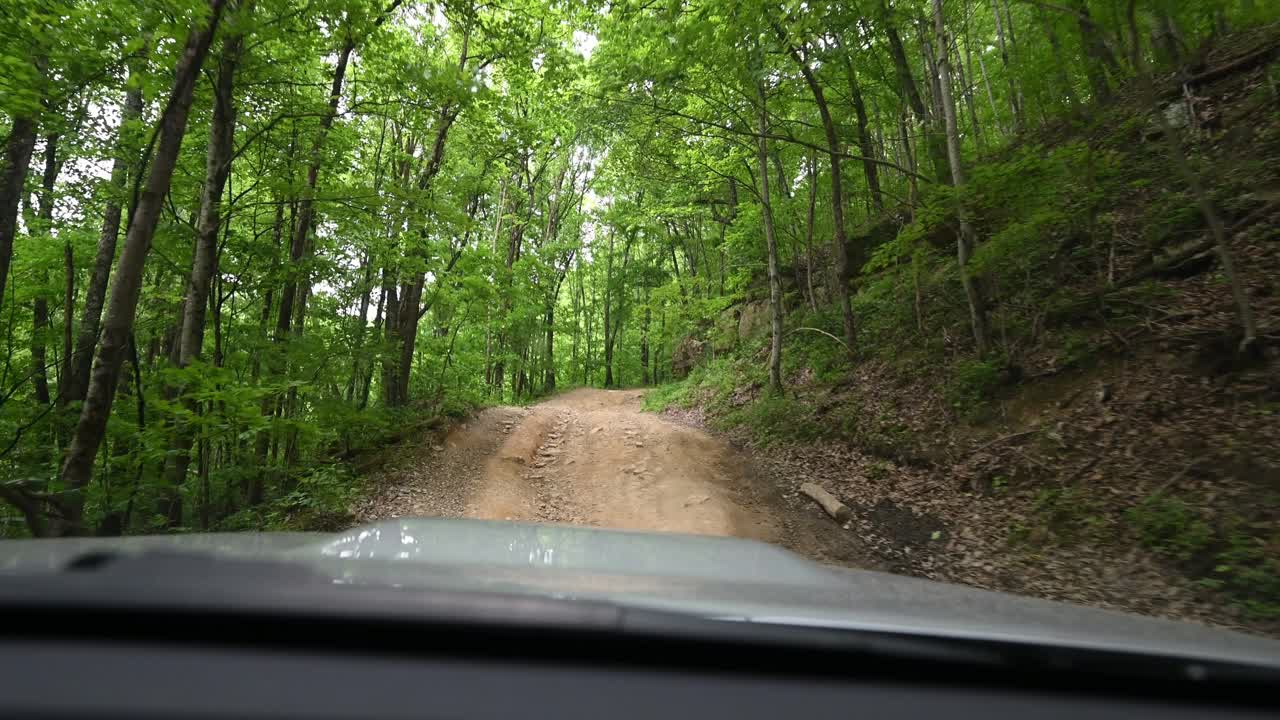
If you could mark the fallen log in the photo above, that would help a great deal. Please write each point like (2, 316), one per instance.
(829, 502)
(1241, 63)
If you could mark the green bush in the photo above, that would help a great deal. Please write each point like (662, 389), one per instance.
(1069, 513)
(1170, 526)
(775, 418)
(1250, 573)
(973, 383)
(1077, 348)
(673, 394)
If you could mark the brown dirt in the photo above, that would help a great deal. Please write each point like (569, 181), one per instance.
(591, 457)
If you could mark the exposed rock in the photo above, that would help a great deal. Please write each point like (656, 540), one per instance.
(686, 356)
(752, 317)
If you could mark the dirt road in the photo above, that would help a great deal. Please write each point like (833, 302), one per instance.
(592, 457)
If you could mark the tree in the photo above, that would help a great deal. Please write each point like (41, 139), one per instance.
(771, 243)
(77, 469)
(964, 239)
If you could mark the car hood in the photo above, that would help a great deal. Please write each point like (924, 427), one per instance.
(717, 577)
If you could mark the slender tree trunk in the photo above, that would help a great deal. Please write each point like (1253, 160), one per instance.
(964, 241)
(909, 157)
(40, 305)
(1013, 51)
(644, 343)
(771, 244)
(68, 317)
(935, 145)
(203, 265)
(361, 326)
(255, 485)
(986, 83)
(390, 393)
(840, 250)
(810, 216)
(122, 166)
(906, 81)
(366, 382)
(306, 205)
(77, 469)
(608, 294)
(865, 144)
(549, 359)
(1014, 109)
(965, 71)
(929, 59)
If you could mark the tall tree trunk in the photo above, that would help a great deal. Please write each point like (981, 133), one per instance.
(865, 145)
(909, 157)
(407, 336)
(13, 176)
(986, 83)
(611, 332)
(644, 343)
(964, 241)
(366, 383)
(965, 71)
(771, 242)
(255, 488)
(406, 330)
(306, 205)
(549, 357)
(839, 247)
(390, 292)
(362, 323)
(1014, 109)
(812, 172)
(936, 145)
(40, 305)
(608, 306)
(68, 316)
(77, 470)
(122, 166)
(203, 266)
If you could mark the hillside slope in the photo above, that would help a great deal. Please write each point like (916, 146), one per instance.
(1119, 448)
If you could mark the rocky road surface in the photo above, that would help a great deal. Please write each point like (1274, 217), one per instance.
(592, 457)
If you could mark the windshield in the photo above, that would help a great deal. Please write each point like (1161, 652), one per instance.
(980, 293)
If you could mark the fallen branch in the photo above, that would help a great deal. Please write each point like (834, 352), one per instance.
(1240, 64)
(824, 332)
(1177, 476)
(833, 507)
(1173, 261)
(1003, 438)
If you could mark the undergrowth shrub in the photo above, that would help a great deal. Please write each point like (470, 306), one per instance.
(774, 418)
(672, 394)
(1169, 526)
(1244, 564)
(973, 384)
(1250, 573)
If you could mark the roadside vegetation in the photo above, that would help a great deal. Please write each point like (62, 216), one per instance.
(1122, 419)
(1008, 269)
